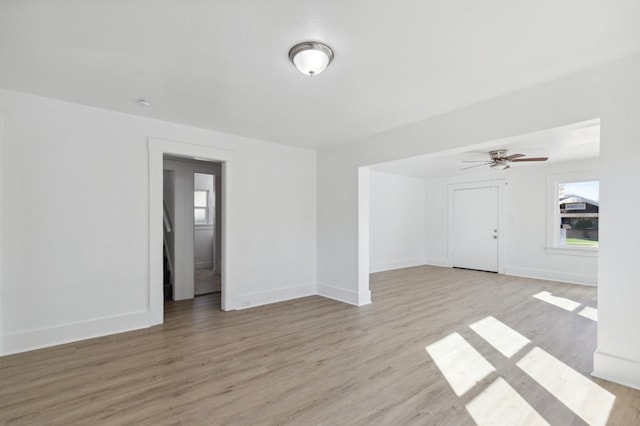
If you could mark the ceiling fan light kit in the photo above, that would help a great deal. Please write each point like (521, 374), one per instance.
(499, 158)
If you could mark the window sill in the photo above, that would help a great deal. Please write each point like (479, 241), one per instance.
(574, 251)
(203, 226)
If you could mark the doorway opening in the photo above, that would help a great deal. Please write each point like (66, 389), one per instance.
(192, 195)
(183, 242)
(436, 210)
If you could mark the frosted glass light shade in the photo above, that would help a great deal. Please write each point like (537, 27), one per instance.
(311, 58)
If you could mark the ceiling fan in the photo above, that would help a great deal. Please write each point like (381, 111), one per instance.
(499, 158)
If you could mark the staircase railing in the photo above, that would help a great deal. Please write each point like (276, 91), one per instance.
(168, 228)
(167, 219)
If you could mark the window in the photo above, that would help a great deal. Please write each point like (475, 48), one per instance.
(200, 207)
(578, 207)
(574, 210)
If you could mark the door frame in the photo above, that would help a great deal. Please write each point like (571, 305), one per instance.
(157, 148)
(184, 226)
(501, 184)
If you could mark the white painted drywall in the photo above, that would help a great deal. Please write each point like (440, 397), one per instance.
(1, 225)
(397, 227)
(89, 234)
(203, 246)
(525, 228)
(436, 235)
(527, 220)
(610, 92)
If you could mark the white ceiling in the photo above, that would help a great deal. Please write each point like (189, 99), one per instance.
(223, 65)
(574, 142)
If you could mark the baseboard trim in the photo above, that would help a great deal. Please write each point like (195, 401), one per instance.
(541, 274)
(438, 261)
(345, 296)
(395, 264)
(250, 300)
(67, 333)
(615, 369)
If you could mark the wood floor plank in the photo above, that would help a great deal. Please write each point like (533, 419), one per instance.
(313, 361)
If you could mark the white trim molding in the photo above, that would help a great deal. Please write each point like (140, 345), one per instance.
(438, 261)
(250, 300)
(396, 264)
(67, 333)
(617, 370)
(157, 148)
(345, 296)
(542, 274)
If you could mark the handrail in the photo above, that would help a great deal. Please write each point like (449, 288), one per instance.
(167, 220)
(168, 254)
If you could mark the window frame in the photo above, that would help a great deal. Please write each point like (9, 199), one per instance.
(553, 214)
(205, 207)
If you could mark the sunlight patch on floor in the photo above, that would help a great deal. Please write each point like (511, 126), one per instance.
(561, 302)
(502, 337)
(459, 362)
(500, 404)
(587, 399)
(589, 312)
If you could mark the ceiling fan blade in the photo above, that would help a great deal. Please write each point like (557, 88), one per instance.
(530, 159)
(512, 156)
(475, 165)
(475, 161)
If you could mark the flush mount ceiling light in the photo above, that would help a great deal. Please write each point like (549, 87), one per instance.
(311, 57)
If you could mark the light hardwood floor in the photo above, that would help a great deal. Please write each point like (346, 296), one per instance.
(205, 282)
(312, 360)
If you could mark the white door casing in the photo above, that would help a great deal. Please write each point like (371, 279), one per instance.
(184, 227)
(158, 147)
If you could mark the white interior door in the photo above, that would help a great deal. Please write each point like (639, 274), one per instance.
(475, 228)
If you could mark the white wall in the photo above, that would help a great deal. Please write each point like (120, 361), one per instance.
(203, 249)
(526, 224)
(610, 92)
(76, 196)
(74, 150)
(1, 234)
(397, 211)
(527, 220)
(436, 232)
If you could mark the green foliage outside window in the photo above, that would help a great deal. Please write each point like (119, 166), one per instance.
(583, 224)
